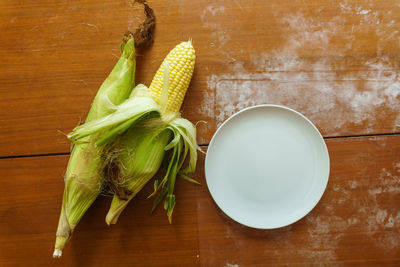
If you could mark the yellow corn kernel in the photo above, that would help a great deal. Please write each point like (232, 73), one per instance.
(181, 61)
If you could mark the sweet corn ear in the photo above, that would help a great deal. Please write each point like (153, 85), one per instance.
(181, 61)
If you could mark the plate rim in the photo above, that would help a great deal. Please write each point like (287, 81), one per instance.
(320, 137)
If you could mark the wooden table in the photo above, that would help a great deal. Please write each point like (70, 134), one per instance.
(337, 62)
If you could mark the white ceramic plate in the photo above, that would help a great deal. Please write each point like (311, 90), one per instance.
(267, 166)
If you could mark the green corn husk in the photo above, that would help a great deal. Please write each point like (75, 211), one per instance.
(182, 146)
(146, 149)
(83, 178)
(137, 164)
(137, 153)
(139, 105)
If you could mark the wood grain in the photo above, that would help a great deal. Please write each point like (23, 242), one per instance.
(336, 62)
(30, 202)
(357, 222)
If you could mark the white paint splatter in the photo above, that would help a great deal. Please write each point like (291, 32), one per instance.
(361, 11)
(322, 244)
(207, 104)
(397, 166)
(330, 99)
(380, 219)
(353, 220)
(353, 184)
(381, 224)
(390, 222)
(228, 232)
(212, 10)
(346, 8)
(381, 216)
(336, 188)
(374, 191)
(389, 183)
(210, 18)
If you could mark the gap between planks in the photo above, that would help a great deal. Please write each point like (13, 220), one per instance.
(201, 145)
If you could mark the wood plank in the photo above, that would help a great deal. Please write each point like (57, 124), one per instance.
(357, 221)
(336, 62)
(55, 55)
(30, 202)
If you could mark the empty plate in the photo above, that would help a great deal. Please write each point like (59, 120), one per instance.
(267, 166)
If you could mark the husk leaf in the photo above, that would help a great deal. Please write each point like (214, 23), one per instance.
(83, 179)
(138, 163)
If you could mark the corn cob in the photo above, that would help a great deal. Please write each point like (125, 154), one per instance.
(141, 148)
(173, 75)
(181, 61)
(83, 179)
